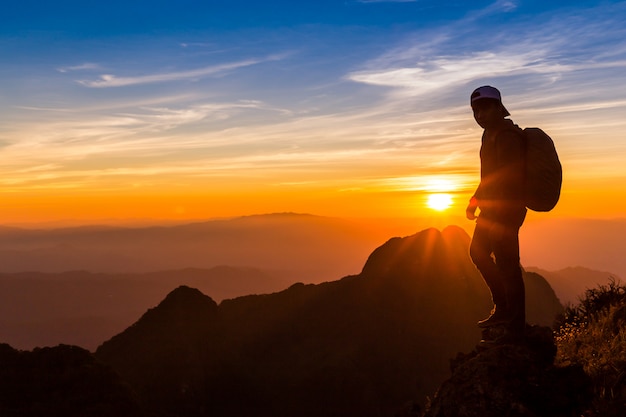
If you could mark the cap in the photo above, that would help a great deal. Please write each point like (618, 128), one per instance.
(488, 91)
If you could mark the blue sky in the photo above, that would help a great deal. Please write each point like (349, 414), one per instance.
(330, 98)
(132, 17)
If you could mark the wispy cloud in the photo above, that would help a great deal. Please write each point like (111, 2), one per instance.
(109, 80)
(138, 133)
(391, 121)
(497, 7)
(442, 59)
(82, 67)
(217, 143)
(448, 72)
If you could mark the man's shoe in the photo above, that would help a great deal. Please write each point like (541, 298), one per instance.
(502, 335)
(495, 319)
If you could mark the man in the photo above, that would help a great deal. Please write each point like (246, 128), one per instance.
(499, 196)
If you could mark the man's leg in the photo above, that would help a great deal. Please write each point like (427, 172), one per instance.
(506, 252)
(481, 250)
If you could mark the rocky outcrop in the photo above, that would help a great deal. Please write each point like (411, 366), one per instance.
(512, 380)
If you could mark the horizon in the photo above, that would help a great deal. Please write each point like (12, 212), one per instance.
(437, 220)
(548, 243)
(355, 110)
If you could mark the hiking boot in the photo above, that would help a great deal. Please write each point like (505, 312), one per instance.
(508, 338)
(496, 318)
(508, 334)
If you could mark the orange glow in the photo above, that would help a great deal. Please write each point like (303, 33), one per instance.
(436, 200)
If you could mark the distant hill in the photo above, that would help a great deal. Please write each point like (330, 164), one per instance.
(363, 345)
(554, 244)
(85, 309)
(570, 284)
(309, 248)
(303, 246)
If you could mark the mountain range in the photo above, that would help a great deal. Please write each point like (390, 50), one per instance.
(570, 284)
(366, 344)
(301, 245)
(362, 345)
(84, 308)
(252, 255)
(298, 244)
(555, 244)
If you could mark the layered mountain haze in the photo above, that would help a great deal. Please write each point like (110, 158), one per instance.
(554, 244)
(362, 345)
(297, 244)
(123, 271)
(570, 284)
(85, 309)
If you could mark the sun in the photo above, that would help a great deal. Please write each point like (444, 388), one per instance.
(439, 201)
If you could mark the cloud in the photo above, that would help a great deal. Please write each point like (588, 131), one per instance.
(108, 80)
(499, 6)
(447, 72)
(83, 149)
(43, 109)
(82, 67)
(550, 50)
(135, 133)
(563, 68)
(197, 45)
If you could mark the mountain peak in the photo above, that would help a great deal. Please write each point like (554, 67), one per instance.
(183, 304)
(183, 315)
(430, 252)
(184, 295)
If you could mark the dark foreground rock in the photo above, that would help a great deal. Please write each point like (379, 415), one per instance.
(61, 381)
(512, 380)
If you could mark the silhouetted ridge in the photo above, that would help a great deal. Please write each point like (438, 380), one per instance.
(182, 307)
(402, 257)
(428, 252)
(363, 345)
(540, 310)
(180, 316)
(166, 350)
(456, 234)
(184, 298)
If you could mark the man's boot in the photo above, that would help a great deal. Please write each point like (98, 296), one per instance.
(499, 315)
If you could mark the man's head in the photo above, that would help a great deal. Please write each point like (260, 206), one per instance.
(487, 106)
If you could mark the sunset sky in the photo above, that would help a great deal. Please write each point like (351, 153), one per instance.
(200, 109)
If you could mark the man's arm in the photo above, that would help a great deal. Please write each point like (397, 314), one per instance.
(470, 211)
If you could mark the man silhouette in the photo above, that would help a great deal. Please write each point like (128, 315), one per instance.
(499, 196)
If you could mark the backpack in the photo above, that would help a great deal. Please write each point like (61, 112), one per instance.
(543, 171)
